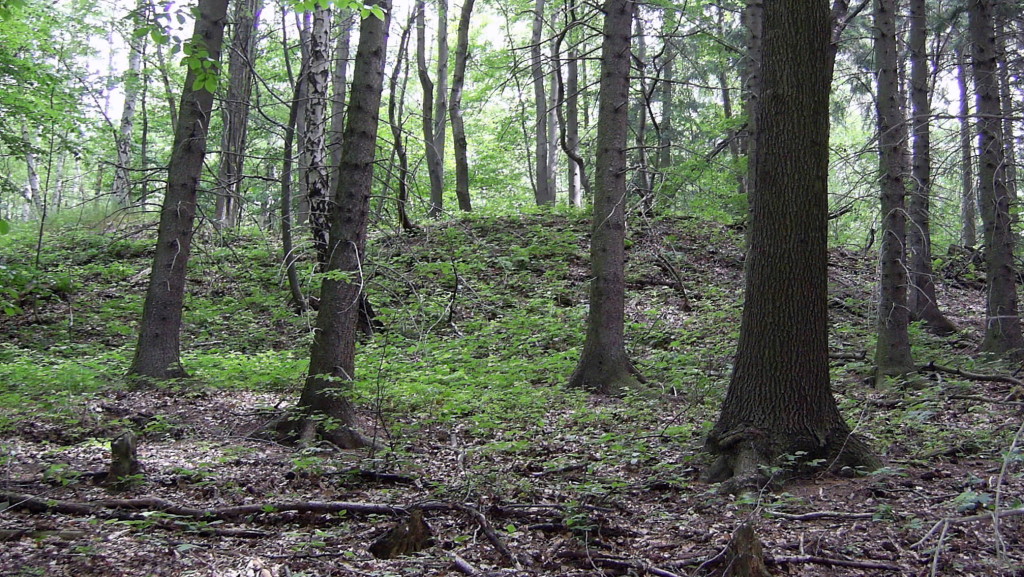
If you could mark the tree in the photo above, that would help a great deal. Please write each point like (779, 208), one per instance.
(779, 401)
(235, 113)
(434, 101)
(157, 354)
(968, 202)
(121, 189)
(544, 193)
(323, 404)
(892, 350)
(921, 296)
(604, 366)
(1002, 328)
(317, 68)
(455, 109)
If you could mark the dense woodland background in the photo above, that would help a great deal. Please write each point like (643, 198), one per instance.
(491, 322)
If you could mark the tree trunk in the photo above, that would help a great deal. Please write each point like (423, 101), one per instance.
(1002, 330)
(339, 81)
(604, 366)
(157, 354)
(395, 120)
(433, 161)
(543, 194)
(892, 352)
(572, 126)
(121, 189)
(314, 141)
(455, 109)
(235, 112)
(921, 297)
(1006, 101)
(968, 199)
(323, 402)
(779, 401)
(298, 300)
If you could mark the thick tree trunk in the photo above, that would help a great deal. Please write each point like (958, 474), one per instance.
(779, 401)
(892, 352)
(324, 401)
(921, 297)
(235, 112)
(455, 109)
(604, 366)
(339, 85)
(157, 354)
(543, 193)
(1002, 331)
(968, 199)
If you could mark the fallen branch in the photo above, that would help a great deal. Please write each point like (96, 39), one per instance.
(946, 522)
(932, 367)
(112, 508)
(781, 560)
(485, 526)
(620, 563)
(821, 515)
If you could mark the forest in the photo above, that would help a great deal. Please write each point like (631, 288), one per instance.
(511, 288)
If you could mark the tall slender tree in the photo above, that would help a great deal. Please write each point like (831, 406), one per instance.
(317, 67)
(604, 367)
(968, 199)
(235, 113)
(779, 401)
(921, 297)
(121, 189)
(543, 193)
(455, 109)
(324, 404)
(1002, 326)
(892, 351)
(157, 354)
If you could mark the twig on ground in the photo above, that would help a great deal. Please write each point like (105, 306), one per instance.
(948, 521)
(780, 560)
(463, 566)
(821, 515)
(620, 563)
(485, 526)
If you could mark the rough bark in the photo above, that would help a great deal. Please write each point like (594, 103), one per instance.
(157, 354)
(892, 351)
(1002, 329)
(323, 403)
(339, 85)
(779, 401)
(921, 297)
(604, 366)
(235, 114)
(455, 109)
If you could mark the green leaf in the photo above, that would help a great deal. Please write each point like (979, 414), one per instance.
(211, 83)
(5, 227)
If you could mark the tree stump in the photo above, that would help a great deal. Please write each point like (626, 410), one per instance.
(124, 461)
(408, 536)
(745, 557)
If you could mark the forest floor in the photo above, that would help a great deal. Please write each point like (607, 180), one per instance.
(513, 474)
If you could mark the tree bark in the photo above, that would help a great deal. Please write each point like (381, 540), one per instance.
(1002, 329)
(121, 189)
(455, 109)
(779, 401)
(397, 134)
(235, 114)
(323, 403)
(339, 84)
(543, 194)
(921, 297)
(434, 98)
(157, 354)
(892, 352)
(604, 366)
(968, 199)
(314, 140)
